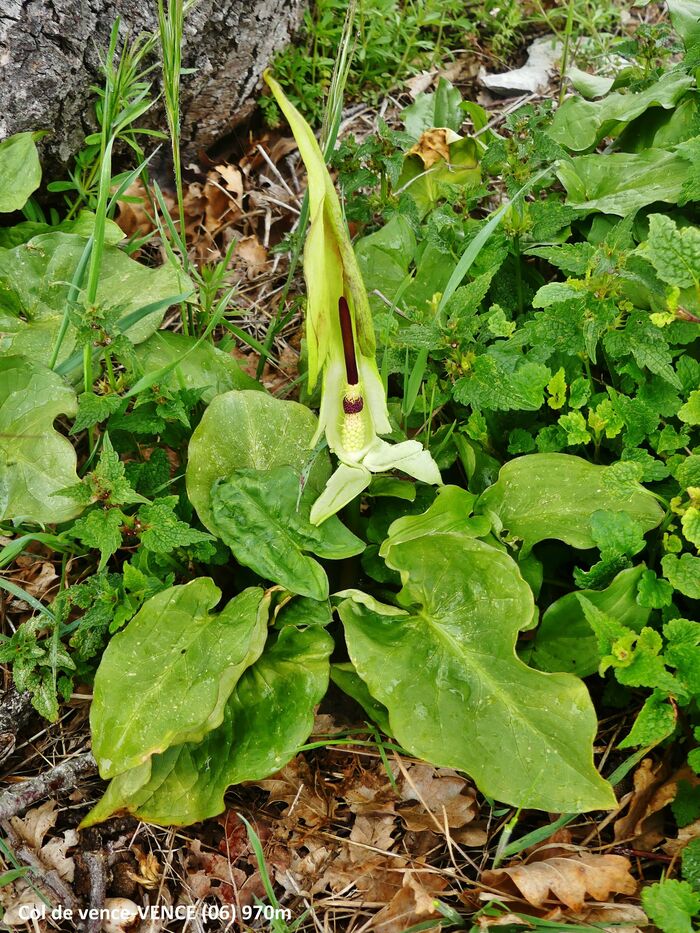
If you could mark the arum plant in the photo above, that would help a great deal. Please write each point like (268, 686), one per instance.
(341, 344)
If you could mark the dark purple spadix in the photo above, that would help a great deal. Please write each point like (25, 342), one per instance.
(348, 342)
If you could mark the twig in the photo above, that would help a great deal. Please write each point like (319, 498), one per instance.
(63, 777)
(97, 872)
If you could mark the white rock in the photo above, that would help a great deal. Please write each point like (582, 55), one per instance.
(533, 77)
(123, 915)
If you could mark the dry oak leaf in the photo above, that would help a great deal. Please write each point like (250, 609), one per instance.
(307, 797)
(414, 903)
(250, 256)
(570, 881)
(643, 824)
(685, 835)
(441, 796)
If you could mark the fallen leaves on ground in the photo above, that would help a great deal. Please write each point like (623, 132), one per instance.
(569, 881)
(654, 788)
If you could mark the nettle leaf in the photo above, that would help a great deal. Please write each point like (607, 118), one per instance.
(262, 518)
(564, 640)
(554, 495)
(251, 430)
(166, 677)
(35, 281)
(674, 253)
(457, 694)
(198, 367)
(267, 717)
(690, 412)
(683, 573)
(35, 460)
(20, 171)
(491, 386)
(162, 531)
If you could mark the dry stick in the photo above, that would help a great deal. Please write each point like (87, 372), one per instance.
(15, 710)
(47, 879)
(63, 777)
(97, 872)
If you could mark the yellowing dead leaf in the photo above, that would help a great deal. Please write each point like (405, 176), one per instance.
(570, 881)
(434, 145)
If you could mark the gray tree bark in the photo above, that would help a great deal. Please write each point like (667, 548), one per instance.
(50, 52)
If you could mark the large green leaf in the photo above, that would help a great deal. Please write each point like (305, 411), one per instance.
(20, 171)
(256, 513)
(35, 280)
(35, 460)
(202, 367)
(622, 182)
(250, 430)
(166, 678)
(685, 16)
(579, 124)
(83, 224)
(267, 717)
(541, 496)
(565, 641)
(456, 692)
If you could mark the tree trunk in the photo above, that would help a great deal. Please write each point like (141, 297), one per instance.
(50, 53)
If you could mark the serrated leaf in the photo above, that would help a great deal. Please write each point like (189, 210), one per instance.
(35, 460)
(673, 252)
(542, 496)
(250, 430)
(456, 693)
(655, 722)
(267, 717)
(255, 512)
(166, 677)
(101, 530)
(162, 531)
(671, 905)
(690, 412)
(683, 573)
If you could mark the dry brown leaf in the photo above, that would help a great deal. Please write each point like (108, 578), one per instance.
(233, 181)
(53, 854)
(411, 905)
(643, 824)
(441, 795)
(34, 825)
(37, 577)
(685, 835)
(208, 874)
(307, 799)
(149, 870)
(568, 880)
(434, 145)
(612, 918)
(250, 257)
(420, 83)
